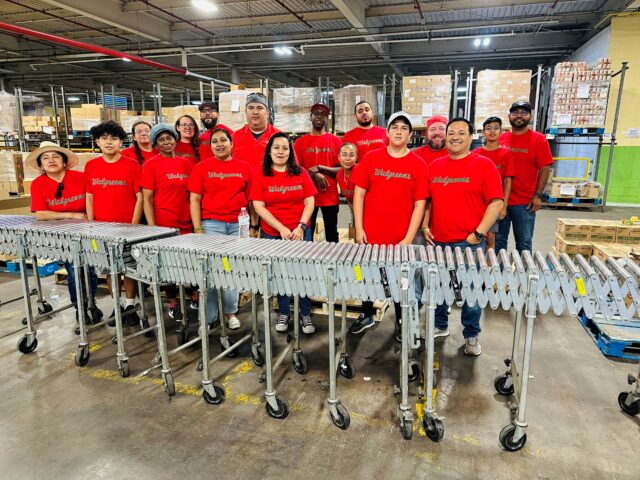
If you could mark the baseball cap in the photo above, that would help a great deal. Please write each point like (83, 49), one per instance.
(257, 98)
(437, 119)
(212, 105)
(320, 106)
(521, 104)
(398, 115)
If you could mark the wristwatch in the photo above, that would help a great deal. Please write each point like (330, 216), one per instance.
(303, 226)
(479, 236)
(538, 194)
(254, 227)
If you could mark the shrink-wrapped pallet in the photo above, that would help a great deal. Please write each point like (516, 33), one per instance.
(346, 99)
(292, 108)
(426, 96)
(496, 90)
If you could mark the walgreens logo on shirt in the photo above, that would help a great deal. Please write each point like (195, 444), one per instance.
(104, 183)
(317, 150)
(222, 176)
(387, 174)
(177, 176)
(369, 142)
(447, 180)
(53, 202)
(284, 189)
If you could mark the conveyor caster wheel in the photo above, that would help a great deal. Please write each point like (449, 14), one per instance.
(169, 384)
(24, 321)
(25, 347)
(123, 368)
(346, 368)
(183, 336)
(114, 340)
(82, 356)
(630, 409)
(433, 427)
(283, 408)
(506, 439)
(406, 425)
(300, 363)
(257, 354)
(415, 372)
(343, 420)
(44, 308)
(501, 387)
(218, 399)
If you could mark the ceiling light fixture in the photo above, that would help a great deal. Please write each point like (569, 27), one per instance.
(486, 42)
(283, 50)
(477, 42)
(204, 5)
(73, 99)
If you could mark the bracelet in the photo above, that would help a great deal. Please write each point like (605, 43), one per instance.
(424, 229)
(198, 229)
(254, 227)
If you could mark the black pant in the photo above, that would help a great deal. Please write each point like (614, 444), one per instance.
(367, 309)
(330, 216)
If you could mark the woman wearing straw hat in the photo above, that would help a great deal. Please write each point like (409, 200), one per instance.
(57, 194)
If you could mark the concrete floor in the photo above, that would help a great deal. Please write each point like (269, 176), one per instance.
(63, 422)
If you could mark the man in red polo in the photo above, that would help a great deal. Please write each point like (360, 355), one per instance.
(436, 130)
(366, 136)
(209, 117)
(318, 153)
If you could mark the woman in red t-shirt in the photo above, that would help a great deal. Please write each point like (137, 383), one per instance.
(188, 138)
(141, 149)
(283, 197)
(57, 194)
(348, 156)
(164, 191)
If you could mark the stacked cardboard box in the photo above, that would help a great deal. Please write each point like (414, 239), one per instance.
(171, 114)
(426, 96)
(129, 117)
(346, 99)
(86, 116)
(33, 124)
(292, 108)
(496, 90)
(579, 94)
(575, 236)
(8, 113)
(9, 172)
(232, 105)
(571, 189)
(615, 250)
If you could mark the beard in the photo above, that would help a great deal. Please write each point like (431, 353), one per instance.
(436, 143)
(518, 122)
(210, 123)
(365, 123)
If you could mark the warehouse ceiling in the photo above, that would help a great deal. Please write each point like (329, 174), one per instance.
(290, 42)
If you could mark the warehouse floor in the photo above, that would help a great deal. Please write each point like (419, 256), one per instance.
(60, 421)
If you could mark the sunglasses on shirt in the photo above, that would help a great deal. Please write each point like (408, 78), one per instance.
(59, 190)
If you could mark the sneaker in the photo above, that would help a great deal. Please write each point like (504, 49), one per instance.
(361, 323)
(440, 332)
(307, 325)
(112, 317)
(174, 311)
(472, 346)
(233, 322)
(132, 319)
(282, 325)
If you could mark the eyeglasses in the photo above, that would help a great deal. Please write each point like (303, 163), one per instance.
(186, 125)
(520, 113)
(59, 190)
(493, 129)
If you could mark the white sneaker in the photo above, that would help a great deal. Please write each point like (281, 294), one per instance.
(440, 333)
(233, 322)
(282, 325)
(472, 346)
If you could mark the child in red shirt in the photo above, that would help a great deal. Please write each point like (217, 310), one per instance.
(113, 194)
(283, 196)
(348, 157)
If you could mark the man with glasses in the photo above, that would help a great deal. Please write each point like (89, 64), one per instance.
(532, 161)
(318, 153)
(209, 117)
(436, 129)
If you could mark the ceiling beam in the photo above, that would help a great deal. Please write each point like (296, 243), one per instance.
(261, 20)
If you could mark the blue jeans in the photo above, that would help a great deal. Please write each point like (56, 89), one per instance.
(284, 302)
(523, 222)
(71, 282)
(470, 314)
(229, 297)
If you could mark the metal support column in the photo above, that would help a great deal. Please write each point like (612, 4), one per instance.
(21, 139)
(393, 93)
(454, 97)
(535, 114)
(213, 92)
(384, 94)
(113, 103)
(201, 92)
(64, 110)
(104, 106)
(55, 110)
(159, 90)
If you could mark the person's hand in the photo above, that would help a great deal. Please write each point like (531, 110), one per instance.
(503, 213)
(472, 239)
(534, 204)
(405, 241)
(320, 182)
(254, 233)
(285, 233)
(297, 233)
(428, 236)
(78, 216)
(314, 170)
(361, 236)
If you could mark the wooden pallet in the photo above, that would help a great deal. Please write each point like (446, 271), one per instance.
(572, 202)
(61, 276)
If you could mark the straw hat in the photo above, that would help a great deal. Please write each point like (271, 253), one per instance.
(32, 159)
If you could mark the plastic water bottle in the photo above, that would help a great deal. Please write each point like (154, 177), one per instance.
(53, 298)
(243, 223)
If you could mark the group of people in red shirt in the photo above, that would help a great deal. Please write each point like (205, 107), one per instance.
(176, 177)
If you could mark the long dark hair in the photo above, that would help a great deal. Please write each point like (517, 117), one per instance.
(136, 147)
(195, 140)
(293, 168)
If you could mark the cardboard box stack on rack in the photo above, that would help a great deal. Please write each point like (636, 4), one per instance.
(86, 116)
(579, 94)
(231, 108)
(496, 90)
(292, 107)
(171, 114)
(569, 189)
(37, 124)
(602, 238)
(425, 96)
(346, 99)
(128, 117)
(9, 173)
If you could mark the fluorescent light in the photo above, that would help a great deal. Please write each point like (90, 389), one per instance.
(477, 42)
(462, 89)
(73, 99)
(283, 50)
(125, 59)
(486, 41)
(205, 5)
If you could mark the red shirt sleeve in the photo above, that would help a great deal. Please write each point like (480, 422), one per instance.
(298, 149)
(361, 175)
(195, 184)
(492, 183)
(543, 152)
(256, 192)
(308, 188)
(148, 176)
(38, 202)
(509, 168)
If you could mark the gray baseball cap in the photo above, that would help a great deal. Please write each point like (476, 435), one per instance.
(257, 98)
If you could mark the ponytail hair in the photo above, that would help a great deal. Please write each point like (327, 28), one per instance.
(136, 147)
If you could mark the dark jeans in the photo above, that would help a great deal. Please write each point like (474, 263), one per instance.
(71, 282)
(470, 314)
(330, 216)
(284, 302)
(523, 222)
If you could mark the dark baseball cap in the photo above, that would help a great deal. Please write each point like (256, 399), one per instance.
(211, 105)
(523, 104)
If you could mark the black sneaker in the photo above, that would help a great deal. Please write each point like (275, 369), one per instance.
(131, 319)
(174, 311)
(112, 317)
(361, 324)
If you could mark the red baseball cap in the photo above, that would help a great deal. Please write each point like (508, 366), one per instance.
(437, 119)
(320, 106)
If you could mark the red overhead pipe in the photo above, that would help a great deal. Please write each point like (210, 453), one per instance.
(92, 48)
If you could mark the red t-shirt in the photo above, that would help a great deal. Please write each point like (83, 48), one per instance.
(205, 141)
(43, 193)
(320, 150)
(502, 157)
(114, 187)
(131, 153)
(186, 150)
(531, 152)
(224, 187)
(393, 185)
(248, 149)
(366, 139)
(460, 191)
(283, 195)
(168, 178)
(346, 186)
(429, 155)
